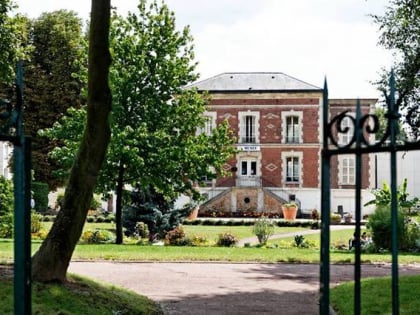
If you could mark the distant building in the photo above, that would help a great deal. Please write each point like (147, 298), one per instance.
(277, 121)
(6, 150)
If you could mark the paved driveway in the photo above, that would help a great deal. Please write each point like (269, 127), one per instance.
(220, 288)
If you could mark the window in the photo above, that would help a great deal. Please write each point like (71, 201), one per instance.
(345, 138)
(292, 169)
(347, 170)
(248, 168)
(209, 124)
(249, 136)
(292, 129)
(248, 127)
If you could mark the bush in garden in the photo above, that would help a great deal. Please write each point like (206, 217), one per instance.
(36, 219)
(413, 235)
(380, 225)
(6, 196)
(199, 240)
(100, 219)
(6, 226)
(263, 229)
(141, 230)
(227, 239)
(97, 237)
(177, 237)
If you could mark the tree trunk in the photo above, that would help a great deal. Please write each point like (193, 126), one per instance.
(118, 204)
(51, 261)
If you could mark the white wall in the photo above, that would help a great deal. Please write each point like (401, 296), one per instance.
(408, 166)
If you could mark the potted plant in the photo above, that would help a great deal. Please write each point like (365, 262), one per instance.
(289, 210)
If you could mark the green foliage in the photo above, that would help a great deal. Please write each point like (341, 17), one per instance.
(141, 230)
(8, 43)
(263, 229)
(154, 138)
(40, 195)
(227, 239)
(383, 196)
(53, 82)
(177, 237)
(6, 196)
(335, 218)
(399, 32)
(381, 226)
(36, 219)
(152, 208)
(97, 237)
(6, 226)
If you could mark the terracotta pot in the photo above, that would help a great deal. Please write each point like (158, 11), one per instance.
(194, 214)
(290, 212)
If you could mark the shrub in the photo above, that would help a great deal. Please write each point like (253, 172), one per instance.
(335, 218)
(199, 240)
(100, 219)
(141, 230)
(381, 227)
(413, 235)
(90, 219)
(6, 226)
(40, 235)
(227, 239)
(177, 237)
(40, 195)
(263, 229)
(315, 214)
(97, 237)
(36, 219)
(6, 196)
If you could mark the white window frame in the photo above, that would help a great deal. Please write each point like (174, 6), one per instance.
(286, 156)
(244, 130)
(209, 124)
(345, 138)
(347, 169)
(299, 128)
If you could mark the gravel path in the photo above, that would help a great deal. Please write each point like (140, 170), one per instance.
(220, 288)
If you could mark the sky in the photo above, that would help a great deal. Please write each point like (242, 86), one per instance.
(306, 39)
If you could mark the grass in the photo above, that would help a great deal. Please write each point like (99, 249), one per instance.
(78, 296)
(379, 288)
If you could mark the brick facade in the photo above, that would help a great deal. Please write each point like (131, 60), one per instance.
(279, 141)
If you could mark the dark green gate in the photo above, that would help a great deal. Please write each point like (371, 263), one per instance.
(11, 129)
(360, 143)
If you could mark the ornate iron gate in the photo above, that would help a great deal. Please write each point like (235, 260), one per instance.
(364, 128)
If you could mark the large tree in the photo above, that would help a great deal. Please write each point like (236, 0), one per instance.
(400, 32)
(51, 261)
(155, 118)
(52, 82)
(7, 43)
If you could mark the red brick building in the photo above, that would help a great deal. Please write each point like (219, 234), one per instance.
(277, 121)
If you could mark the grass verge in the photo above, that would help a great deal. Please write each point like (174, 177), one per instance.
(376, 296)
(78, 296)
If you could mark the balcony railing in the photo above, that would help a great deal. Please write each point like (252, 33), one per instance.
(248, 139)
(248, 181)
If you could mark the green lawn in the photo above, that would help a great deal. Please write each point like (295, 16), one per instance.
(376, 296)
(78, 296)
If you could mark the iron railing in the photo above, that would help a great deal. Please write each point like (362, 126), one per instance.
(361, 142)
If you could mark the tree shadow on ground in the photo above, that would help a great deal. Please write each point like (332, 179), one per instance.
(263, 302)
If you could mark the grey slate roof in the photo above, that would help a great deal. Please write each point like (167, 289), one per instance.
(253, 81)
